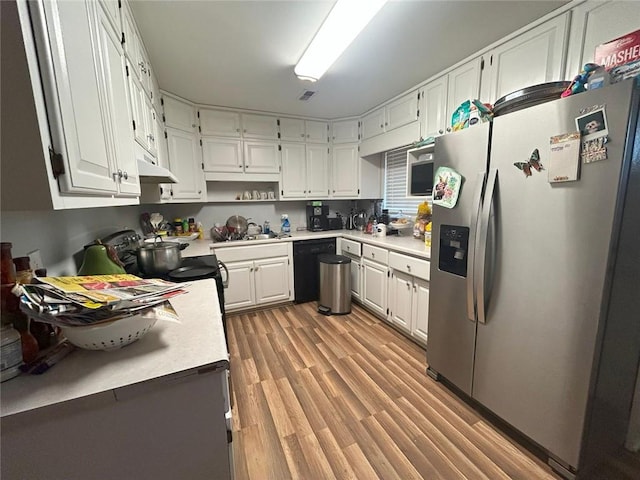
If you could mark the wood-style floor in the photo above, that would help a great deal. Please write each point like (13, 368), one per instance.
(347, 396)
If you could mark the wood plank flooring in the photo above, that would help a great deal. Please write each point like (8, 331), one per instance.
(347, 397)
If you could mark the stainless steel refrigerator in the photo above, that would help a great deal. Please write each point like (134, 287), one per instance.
(534, 295)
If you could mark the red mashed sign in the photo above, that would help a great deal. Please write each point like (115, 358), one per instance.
(619, 51)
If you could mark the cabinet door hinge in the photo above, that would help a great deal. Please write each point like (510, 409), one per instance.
(134, 124)
(199, 129)
(418, 113)
(281, 192)
(279, 148)
(289, 263)
(126, 68)
(161, 191)
(200, 142)
(198, 113)
(162, 102)
(328, 150)
(171, 192)
(358, 191)
(119, 4)
(164, 120)
(165, 134)
(482, 63)
(418, 95)
(280, 168)
(491, 60)
(387, 311)
(278, 122)
(122, 42)
(202, 164)
(358, 136)
(57, 163)
(388, 275)
(279, 133)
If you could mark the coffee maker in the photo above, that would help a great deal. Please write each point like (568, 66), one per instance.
(317, 218)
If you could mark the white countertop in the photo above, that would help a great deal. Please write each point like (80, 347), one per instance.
(399, 243)
(168, 348)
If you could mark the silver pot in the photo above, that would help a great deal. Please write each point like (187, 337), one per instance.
(159, 258)
(236, 226)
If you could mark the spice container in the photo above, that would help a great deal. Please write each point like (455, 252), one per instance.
(177, 225)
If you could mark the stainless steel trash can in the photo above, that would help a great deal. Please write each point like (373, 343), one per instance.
(335, 284)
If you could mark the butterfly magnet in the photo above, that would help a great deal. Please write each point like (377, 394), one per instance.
(533, 163)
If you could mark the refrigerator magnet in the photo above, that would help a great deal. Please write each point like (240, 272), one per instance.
(447, 187)
(594, 129)
(564, 158)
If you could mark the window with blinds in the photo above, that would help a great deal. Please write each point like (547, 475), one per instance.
(395, 184)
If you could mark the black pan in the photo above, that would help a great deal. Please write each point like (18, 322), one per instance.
(193, 272)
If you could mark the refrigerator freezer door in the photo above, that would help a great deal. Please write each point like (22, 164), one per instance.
(535, 353)
(451, 333)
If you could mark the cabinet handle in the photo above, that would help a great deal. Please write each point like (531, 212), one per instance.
(239, 166)
(308, 136)
(408, 286)
(125, 175)
(256, 269)
(381, 126)
(237, 130)
(193, 125)
(409, 267)
(251, 269)
(386, 123)
(448, 129)
(415, 289)
(440, 131)
(244, 131)
(373, 255)
(302, 135)
(199, 192)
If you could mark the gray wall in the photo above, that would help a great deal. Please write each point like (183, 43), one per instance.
(61, 234)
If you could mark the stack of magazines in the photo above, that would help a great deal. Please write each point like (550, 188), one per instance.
(84, 300)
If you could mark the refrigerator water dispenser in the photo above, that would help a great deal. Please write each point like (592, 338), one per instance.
(454, 244)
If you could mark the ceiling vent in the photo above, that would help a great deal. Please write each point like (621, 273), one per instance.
(306, 95)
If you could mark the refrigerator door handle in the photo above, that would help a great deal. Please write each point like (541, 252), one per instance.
(482, 245)
(473, 228)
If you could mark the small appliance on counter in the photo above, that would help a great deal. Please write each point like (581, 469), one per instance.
(317, 217)
(334, 223)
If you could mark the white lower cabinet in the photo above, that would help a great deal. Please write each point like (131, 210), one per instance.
(409, 295)
(353, 251)
(258, 275)
(374, 286)
(400, 300)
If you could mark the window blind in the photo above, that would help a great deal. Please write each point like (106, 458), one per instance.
(395, 184)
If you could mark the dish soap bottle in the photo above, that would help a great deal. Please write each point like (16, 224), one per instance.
(285, 225)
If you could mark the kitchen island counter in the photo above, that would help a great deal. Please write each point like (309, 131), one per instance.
(197, 341)
(158, 408)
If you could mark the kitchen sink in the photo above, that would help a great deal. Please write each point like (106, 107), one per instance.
(266, 236)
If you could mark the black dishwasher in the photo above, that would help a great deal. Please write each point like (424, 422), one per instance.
(306, 266)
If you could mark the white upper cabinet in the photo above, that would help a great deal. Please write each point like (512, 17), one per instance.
(434, 108)
(596, 22)
(261, 157)
(115, 85)
(395, 114)
(316, 132)
(345, 131)
(372, 124)
(222, 155)
(299, 130)
(292, 129)
(86, 95)
(220, 123)
(401, 111)
(112, 9)
(345, 171)
(463, 84)
(317, 171)
(534, 57)
(185, 161)
(293, 181)
(179, 114)
(259, 126)
(305, 171)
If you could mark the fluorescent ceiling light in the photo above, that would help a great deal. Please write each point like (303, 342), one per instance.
(345, 21)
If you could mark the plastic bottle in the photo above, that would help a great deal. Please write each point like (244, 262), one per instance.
(286, 226)
(267, 227)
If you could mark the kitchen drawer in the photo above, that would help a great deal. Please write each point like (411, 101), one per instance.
(376, 254)
(352, 248)
(251, 252)
(411, 265)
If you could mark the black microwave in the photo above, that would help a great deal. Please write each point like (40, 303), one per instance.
(420, 175)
